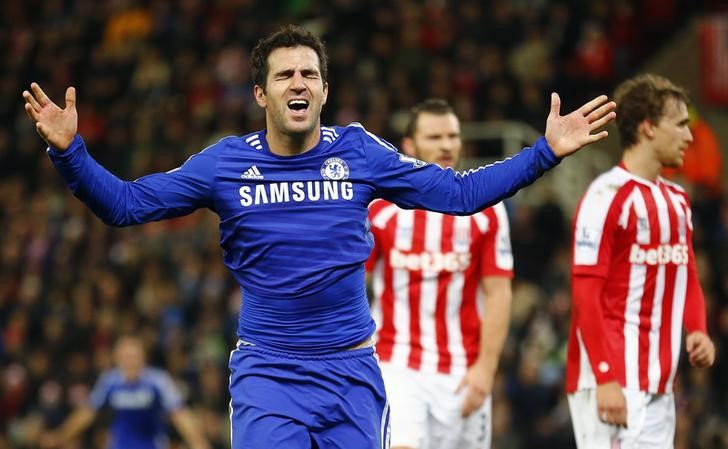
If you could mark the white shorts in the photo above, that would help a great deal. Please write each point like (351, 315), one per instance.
(650, 422)
(425, 411)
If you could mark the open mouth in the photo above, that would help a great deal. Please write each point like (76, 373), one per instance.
(298, 105)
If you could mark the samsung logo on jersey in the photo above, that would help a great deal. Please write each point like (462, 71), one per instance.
(298, 191)
(662, 255)
(430, 261)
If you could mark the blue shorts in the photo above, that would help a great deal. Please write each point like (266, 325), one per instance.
(296, 401)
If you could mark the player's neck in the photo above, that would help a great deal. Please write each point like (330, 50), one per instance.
(640, 161)
(287, 144)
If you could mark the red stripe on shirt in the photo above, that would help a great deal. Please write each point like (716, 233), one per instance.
(648, 295)
(387, 331)
(668, 298)
(443, 280)
(415, 290)
(469, 316)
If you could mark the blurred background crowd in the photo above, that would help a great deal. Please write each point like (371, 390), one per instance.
(159, 80)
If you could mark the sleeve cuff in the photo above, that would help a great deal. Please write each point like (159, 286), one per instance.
(603, 372)
(548, 154)
(56, 154)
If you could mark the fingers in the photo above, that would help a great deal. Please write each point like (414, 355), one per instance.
(613, 416)
(555, 104)
(690, 343)
(591, 138)
(71, 98)
(41, 130)
(31, 112)
(702, 355)
(469, 406)
(603, 120)
(31, 101)
(699, 360)
(601, 112)
(700, 349)
(40, 96)
(592, 105)
(473, 400)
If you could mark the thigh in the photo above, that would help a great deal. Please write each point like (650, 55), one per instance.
(658, 430)
(408, 409)
(349, 402)
(477, 428)
(268, 406)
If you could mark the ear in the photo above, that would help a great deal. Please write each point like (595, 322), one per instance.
(259, 94)
(647, 128)
(408, 146)
(326, 93)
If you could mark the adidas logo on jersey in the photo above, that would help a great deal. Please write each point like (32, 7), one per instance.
(252, 173)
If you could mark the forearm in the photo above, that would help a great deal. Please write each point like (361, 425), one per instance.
(461, 193)
(487, 185)
(122, 203)
(99, 189)
(694, 318)
(187, 427)
(587, 293)
(79, 420)
(495, 322)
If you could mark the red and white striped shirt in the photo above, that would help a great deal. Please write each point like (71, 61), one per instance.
(427, 269)
(632, 243)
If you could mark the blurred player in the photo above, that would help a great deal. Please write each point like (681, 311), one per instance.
(432, 276)
(292, 200)
(141, 399)
(634, 279)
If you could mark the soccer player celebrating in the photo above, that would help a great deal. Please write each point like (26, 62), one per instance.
(634, 280)
(140, 397)
(431, 275)
(292, 200)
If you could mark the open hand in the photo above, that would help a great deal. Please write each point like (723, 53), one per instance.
(55, 125)
(567, 133)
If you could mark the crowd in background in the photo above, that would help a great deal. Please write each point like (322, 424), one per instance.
(159, 80)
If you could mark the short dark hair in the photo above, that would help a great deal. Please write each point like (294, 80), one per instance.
(643, 97)
(286, 36)
(436, 106)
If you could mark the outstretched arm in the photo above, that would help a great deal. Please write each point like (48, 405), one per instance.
(79, 420)
(188, 427)
(414, 184)
(115, 201)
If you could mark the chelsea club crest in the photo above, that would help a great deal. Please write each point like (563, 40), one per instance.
(335, 169)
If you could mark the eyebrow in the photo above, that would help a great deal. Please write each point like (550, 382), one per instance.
(290, 72)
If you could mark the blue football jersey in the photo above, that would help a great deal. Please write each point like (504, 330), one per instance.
(294, 229)
(139, 407)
